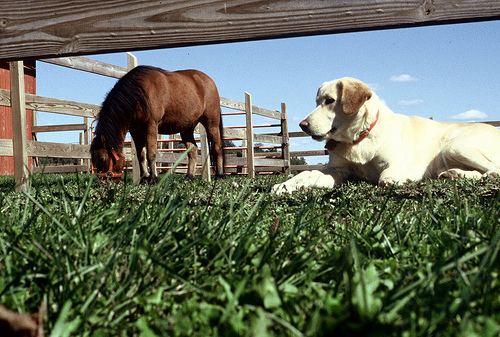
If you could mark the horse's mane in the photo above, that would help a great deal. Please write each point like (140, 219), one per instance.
(127, 96)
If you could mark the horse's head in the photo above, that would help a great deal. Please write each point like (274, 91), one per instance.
(105, 162)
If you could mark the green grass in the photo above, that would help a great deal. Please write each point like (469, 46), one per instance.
(231, 259)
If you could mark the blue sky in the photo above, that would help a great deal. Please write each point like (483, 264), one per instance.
(450, 72)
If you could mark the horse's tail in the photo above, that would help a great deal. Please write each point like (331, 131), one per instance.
(211, 145)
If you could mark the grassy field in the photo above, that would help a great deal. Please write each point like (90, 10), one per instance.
(231, 259)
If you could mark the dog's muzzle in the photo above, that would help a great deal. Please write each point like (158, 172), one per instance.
(304, 125)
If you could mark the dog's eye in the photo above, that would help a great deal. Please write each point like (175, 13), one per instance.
(329, 101)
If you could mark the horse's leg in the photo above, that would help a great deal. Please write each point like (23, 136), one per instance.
(188, 140)
(215, 137)
(140, 149)
(152, 148)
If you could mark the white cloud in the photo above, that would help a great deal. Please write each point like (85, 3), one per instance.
(403, 78)
(470, 115)
(409, 104)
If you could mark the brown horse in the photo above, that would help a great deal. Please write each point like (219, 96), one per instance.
(148, 101)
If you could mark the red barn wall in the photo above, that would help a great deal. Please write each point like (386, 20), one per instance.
(7, 163)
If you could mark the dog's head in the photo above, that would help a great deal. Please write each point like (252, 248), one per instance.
(338, 105)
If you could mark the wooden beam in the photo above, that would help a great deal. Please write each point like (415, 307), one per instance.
(266, 112)
(232, 104)
(269, 162)
(205, 154)
(260, 138)
(61, 169)
(309, 153)
(285, 142)
(89, 65)
(62, 127)
(250, 136)
(136, 171)
(6, 147)
(58, 150)
(47, 104)
(20, 136)
(52, 28)
(298, 134)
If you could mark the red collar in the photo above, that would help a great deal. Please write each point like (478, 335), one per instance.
(332, 143)
(110, 173)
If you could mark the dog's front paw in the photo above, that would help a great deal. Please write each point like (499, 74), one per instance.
(388, 181)
(280, 189)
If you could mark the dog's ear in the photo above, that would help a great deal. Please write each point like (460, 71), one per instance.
(353, 95)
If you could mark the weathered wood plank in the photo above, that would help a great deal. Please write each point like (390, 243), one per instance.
(269, 162)
(6, 147)
(50, 28)
(169, 157)
(298, 134)
(267, 138)
(58, 150)
(231, 133)
(240, 161)
(62, 127)
(235, 105)
(40, 103)
(60, 169)
(89, 65)
(250, 136)
(308, 153)
(285, 143)
(18, 101)
(266, 112)
(4, 97)
(232, 104)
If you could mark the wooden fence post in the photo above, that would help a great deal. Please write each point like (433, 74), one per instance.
(136, 173)
(285, 146)
(205, 154)
(20, 138)
(250, 149)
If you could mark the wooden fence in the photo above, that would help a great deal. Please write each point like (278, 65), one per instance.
(94, 26)
(252, 160)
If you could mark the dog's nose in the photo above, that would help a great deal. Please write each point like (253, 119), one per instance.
(304, 125)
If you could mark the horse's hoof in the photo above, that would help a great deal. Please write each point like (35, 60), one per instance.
(148, 181)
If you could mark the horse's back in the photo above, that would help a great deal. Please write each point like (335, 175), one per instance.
(203, 83)
(192, 84)
(177, 100)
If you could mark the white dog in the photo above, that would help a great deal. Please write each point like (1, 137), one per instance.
(367, 141)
